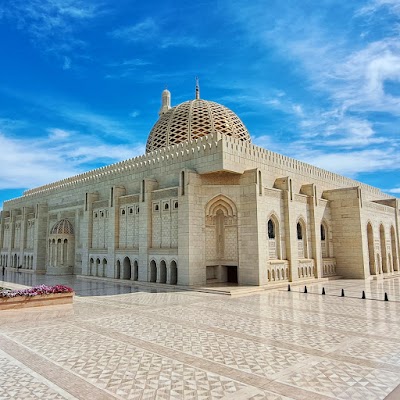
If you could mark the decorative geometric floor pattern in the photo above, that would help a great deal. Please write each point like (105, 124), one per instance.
(17, 382)
(242, 354)
(274, 345)
(344, 380)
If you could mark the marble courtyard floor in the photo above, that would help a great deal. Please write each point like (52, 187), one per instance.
(119, 342)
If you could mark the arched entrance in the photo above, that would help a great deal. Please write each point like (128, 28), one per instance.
(153, 271)
(173, 273)
(126, 268)
(135, 274)
(61, 251)
(98, 267)
(163, 272)
(221, 240)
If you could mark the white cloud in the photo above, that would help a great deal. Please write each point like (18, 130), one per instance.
(30, 163)
(56, 133)
(182, 41)
(53, 25)
(126, 68)
(144, 30)
(394, 190)
(354, 162)
(360, 79)
(67, 63)
(134, 62)
(134, 114)
(149, 30)
(374, 6)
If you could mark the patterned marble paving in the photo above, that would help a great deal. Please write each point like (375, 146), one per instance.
(343, 380)
(319, 339)
(244, 355)
(124, 370)
(18, 382)
(273, 345)
(375, 350)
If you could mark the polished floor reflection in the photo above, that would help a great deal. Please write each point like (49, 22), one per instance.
(122, 342)
(81, 286)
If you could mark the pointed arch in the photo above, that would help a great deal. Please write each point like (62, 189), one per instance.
(152, 271)
(223, 203)
(273, 237)
(162, 272)
(135, 272)
(221, 236)
(173, 280)
(324, 232)
(126, 268)
(301, 229)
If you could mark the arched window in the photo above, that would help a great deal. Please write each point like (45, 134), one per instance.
(324, 240)
(271, 229)
(299, 232)
(302, 239)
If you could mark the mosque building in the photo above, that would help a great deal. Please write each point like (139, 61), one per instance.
(204, 205)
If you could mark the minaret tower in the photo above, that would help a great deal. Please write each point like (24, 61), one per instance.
(165, 102)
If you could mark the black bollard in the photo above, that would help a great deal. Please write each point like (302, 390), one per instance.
(305, 289)
(363, 295)
(288, 288)
(342, 293)
(386, 297)
(323, 290)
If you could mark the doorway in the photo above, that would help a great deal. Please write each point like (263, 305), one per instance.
(232, 274)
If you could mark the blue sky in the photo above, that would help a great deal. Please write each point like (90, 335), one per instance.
(81, 80)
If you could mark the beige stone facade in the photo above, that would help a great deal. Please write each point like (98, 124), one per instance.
(214, 208)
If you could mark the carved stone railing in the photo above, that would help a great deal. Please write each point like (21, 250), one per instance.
(306, 268)
(278, 270)
(328, 267)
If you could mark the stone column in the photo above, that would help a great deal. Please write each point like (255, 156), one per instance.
(87, 229)
(252, 266)
(191, 213)
(349, 240)
(145, 226)
(113, 227)
(40, 238)
(315, 227)
(292, 254)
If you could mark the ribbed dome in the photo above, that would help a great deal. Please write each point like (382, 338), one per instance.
(193, 119)
(62, 227)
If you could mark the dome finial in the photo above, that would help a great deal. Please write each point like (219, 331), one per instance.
(165, 101)
(197, 88)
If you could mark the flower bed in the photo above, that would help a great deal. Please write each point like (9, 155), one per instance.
(41, 295)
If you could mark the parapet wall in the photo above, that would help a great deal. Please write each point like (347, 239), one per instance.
(258, 155)
(178, 153)
(210, 144)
